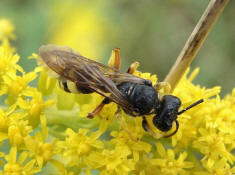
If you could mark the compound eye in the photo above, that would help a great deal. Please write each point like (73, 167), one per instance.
(177, 101)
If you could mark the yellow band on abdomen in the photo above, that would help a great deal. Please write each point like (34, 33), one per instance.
(68, 86)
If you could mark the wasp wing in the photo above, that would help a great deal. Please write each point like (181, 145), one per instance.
(87, 73)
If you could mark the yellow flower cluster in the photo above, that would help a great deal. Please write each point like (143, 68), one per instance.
(21, 113)
(39, 132)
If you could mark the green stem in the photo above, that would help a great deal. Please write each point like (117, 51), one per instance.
(60, 120)
(69, 119)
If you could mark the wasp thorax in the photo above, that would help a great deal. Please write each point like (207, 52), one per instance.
(144, 98)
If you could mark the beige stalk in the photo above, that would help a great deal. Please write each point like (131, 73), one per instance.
(195, 41)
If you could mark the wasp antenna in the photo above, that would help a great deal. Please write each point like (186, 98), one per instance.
(192, 105)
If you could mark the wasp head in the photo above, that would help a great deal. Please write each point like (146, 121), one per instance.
(167, 112)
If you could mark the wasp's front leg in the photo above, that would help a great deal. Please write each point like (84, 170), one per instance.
(146, 127)
(166, 87)
(114, 61)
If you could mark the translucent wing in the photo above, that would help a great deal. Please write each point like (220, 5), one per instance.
(87, 73)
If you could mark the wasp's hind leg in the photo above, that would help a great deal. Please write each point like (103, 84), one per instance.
(98, 108)
(115, 59)
(146, 127)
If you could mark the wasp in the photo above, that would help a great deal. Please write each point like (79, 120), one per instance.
(135, 95)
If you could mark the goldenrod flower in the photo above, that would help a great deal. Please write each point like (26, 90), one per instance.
(17, 131)
(8, 62)
(33, 108)
(16, 85)
(114, 161)
(20, 166)
(136, 148)
(39, 149)
(169, 164)
(78, 145)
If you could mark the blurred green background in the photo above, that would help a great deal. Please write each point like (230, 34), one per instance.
(149, 31)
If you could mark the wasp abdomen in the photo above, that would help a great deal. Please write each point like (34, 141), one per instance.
(64, 85)
(72, 87)
(83, 90)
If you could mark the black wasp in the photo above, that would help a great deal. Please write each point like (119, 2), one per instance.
(135, 95)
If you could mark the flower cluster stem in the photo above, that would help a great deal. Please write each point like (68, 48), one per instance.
(69, 119)
(195, 41)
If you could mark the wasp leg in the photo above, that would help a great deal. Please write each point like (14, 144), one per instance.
(176, 129)
(117, 62)
(98, 108)
(115, 59)
(122, 124)
(146, 127)
(132, 68)
(163, 85)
